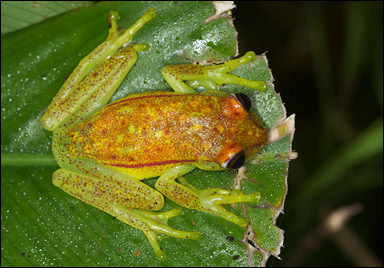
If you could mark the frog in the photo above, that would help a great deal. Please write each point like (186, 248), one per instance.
(105, 151)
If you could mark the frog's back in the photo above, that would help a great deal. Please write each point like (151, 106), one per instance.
(146, 134)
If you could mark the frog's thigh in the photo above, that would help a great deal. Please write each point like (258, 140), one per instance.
(125, 191)
(113, 198)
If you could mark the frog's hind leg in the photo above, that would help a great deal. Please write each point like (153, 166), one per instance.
(186, 77)
(113, 42)
(102, 71)
(127, 200)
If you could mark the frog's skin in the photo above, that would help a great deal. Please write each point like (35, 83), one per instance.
(105, 150)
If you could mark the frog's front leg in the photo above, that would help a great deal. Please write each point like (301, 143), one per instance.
(208, 200)
(185, 77)
(126, 199)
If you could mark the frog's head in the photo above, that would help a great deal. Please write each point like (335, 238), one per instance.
(245, 133)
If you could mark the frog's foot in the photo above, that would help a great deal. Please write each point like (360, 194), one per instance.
(187, 77)
(126, 199)
(120, 40)
(208, 200)
(153, 224)
(212, 200)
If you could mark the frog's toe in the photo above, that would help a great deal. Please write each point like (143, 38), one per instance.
(221, 74)
(160, 255)
(240, 198)
(222, 196)
(154, 225)
(212, 200)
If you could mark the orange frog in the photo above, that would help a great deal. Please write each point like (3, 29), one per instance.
(104, 151)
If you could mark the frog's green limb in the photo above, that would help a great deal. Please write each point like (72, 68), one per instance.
(130, 32)
(158, 223)
(214, 198)
(207, 84)
(113, 42)
(208, 200)
(66, 97)
(175, 75)
(164, 216)
(233, 64)
(121, 190)
(114, 198)
(93, 92)
(141, 47)
(153, 224)
(184, 78)
(184, 182)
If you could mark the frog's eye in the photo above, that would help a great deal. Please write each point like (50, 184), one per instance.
(244, 100)
(236, 161)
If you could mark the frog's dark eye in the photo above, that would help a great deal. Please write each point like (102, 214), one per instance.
(244, 100)
(236, 161)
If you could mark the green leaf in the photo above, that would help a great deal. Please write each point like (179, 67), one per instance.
(16, 15)
(42, 225)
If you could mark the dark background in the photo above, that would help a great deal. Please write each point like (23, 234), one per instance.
(327, 61)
